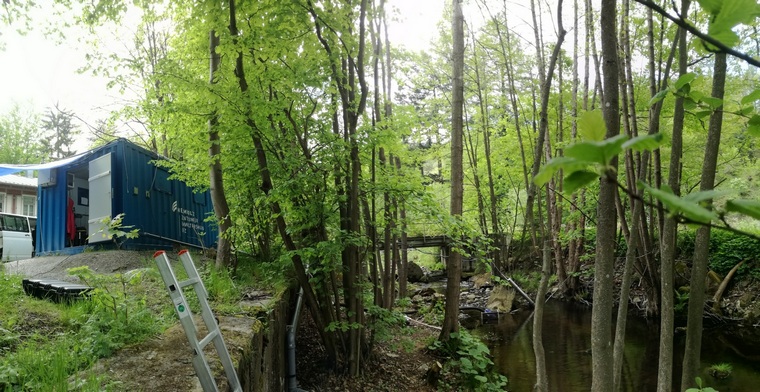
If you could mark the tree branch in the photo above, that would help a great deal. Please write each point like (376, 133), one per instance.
(684, 220)
(712, 41)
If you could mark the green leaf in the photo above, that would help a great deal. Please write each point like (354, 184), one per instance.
(751, 97)
(590, 152)
(644, 142)
(591, 125)
(697, 197)
(612, 147)
(713, 102)
(745, 207)
(689, 104)
(684, 80)
(600, 153)
(482, 379)
(577, 180)
(745, 111)
(731, 13)
(554, 165)
(658, 97)
(711, 6)
(677, 205)
(753, 125)
(696, 95)
(703, 113)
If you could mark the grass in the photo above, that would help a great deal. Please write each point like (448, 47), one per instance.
(426, 259)
(48, 344)
(720, 370)
(47, 347)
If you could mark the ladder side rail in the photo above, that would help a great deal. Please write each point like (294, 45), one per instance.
(185, 315)
(210, 320)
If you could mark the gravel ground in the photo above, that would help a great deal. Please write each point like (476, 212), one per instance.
(103, 262)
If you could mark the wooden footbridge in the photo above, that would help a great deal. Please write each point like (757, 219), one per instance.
(433, 241)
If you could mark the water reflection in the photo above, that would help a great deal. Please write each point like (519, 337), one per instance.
(568, 352)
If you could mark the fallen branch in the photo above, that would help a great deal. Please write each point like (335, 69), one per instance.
(723, 285)
(422, 324)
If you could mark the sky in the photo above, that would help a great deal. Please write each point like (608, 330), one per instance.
(40, 73)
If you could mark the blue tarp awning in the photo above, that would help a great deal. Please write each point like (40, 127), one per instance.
(12, 169)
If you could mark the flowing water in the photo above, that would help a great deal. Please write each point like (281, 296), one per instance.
(568, 352)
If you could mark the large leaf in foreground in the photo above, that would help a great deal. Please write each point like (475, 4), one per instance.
(577, 180)
(676, 205)
(747, 207)
(554, 165)
(591, 125)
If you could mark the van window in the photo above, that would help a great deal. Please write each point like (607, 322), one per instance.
(14, 223)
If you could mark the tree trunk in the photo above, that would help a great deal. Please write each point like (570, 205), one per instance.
(388, 281)
(218, 197)
(601, 319)
(541, 136)
(454, 263)
(402, 268)
(542, 379)
(702, 242)
(670, 228)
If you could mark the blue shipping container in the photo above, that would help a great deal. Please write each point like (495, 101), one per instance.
(119, 177)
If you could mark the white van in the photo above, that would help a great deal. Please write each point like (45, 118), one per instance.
(16, 238)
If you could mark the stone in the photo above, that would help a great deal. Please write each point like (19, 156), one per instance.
(482, 280)
(414, 272)
(426, 292)
(501, 299)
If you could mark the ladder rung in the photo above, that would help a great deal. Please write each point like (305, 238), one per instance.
(211, 336)
(189, 282)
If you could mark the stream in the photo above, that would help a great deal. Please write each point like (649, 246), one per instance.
(568, 352)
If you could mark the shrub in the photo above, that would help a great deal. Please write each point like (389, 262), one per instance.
(469, 366)
(728, 249)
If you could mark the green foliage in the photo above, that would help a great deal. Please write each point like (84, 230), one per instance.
(585, 161)
(469, 366)
(114, 309)
(528, 281)
(700, 388)
(385, 324)
(681, 301)
(434, 314)
(79, 333)
(723, 369)
(591, 125)
(20, 143)
(688, 206)
(59, 133)
(114, 229)
(727, 249)
(749, 208)
(727, 14)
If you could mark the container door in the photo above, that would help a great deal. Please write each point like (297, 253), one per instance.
(100, 197)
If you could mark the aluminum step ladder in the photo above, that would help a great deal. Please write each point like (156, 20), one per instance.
(202, 369)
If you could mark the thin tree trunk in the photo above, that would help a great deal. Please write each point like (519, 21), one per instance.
(541, 136)
(403, 267)
(218, 197)
(454, 264)
(601, 318)
(542, 383)
(388, 282)
(670, 228)
(542, 379)
(702, 242)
